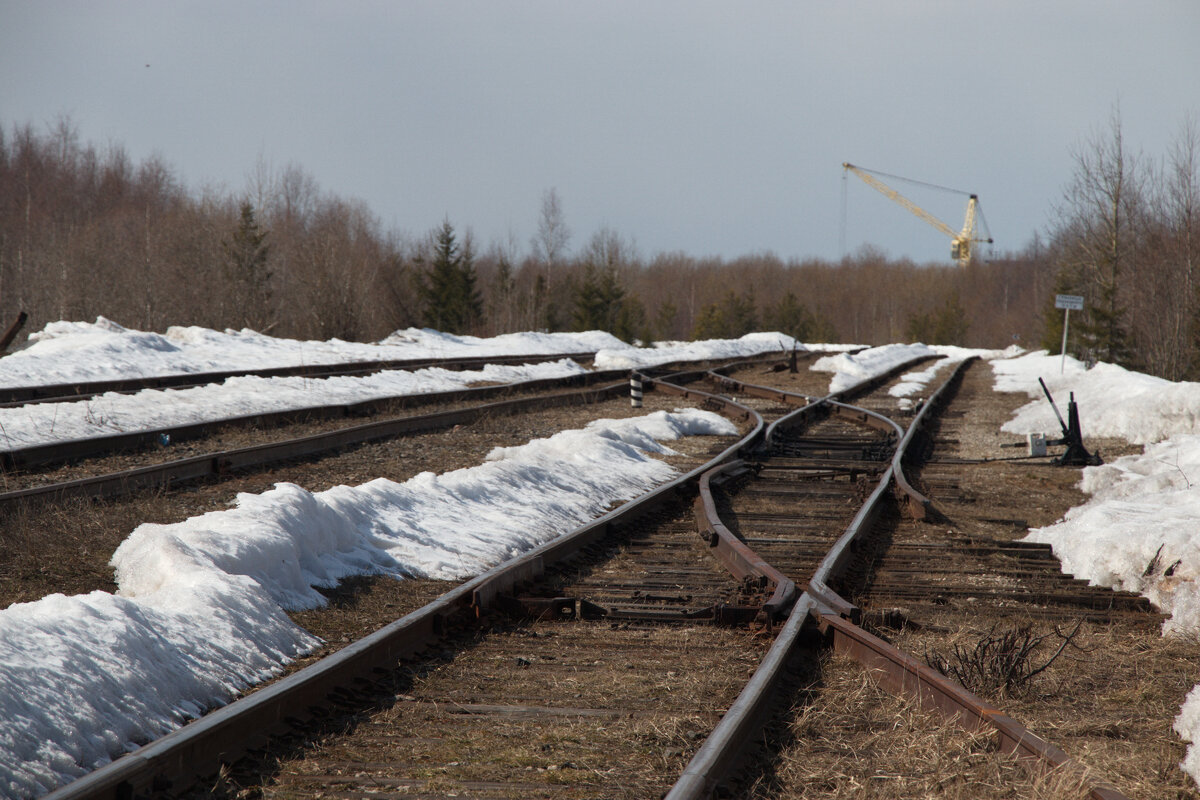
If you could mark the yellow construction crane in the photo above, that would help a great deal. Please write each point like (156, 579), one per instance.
(962, 244)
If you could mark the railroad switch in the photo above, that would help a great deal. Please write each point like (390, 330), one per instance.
(1076, 454)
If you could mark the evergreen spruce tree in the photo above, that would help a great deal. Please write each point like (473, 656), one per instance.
(588, 307)
(790, 316)
(741, 315)
(734, 316)
(664, 320)
(946, 325)
(597, 300)
(449, 295)
(710, 323)
(247, 270)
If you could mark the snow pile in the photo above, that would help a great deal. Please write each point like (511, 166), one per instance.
(199, 614)
(150, 409)
(752, 344)
(436, 344)
(1137, 532)
(851, 368)
(69, 352)
(913, 383)
(1113, 401)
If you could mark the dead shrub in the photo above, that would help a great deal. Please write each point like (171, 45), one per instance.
(1002, 662)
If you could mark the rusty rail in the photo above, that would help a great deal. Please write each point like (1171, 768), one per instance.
(67, 451)
(80, 390)
(727, 383)
(64, 452)
(720, 753)
(225, 733)
(722, 750)
(836, 619)
(917, 505)
(210, 465)
(901, 673)
(741, 561)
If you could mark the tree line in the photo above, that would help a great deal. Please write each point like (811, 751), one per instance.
(1126, 238)
(85, 232)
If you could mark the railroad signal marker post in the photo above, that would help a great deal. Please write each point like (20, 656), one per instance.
(1068, 303)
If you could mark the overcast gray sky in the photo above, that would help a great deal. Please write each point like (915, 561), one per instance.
(704, 127)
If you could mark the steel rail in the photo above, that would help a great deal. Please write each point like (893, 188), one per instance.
(718, 376)
(842, 552)
(901, 673)
(716, 758)
(225, 733)
(738, 558)
(722, 750)
(209, 465)
(64, 452)
(741, 561)
(56, 453)
(80, 390)
(917, 505)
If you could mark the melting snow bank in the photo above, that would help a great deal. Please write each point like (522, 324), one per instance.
(1113, 401)
(150, 409)
(752, 344)
(1137, 531)
(851, 368)
(199, 614)
(913, 383)
(70, 352)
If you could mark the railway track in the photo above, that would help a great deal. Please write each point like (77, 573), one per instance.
(43, 456)
(591, 667)
(82, 390)
(473, 405)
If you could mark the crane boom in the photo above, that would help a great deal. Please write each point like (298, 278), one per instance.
(961, 243)
(889, 192)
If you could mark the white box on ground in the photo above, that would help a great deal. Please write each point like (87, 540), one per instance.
(1037, 444)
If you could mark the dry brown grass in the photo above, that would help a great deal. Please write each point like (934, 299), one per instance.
(1109, 701)
(66, 547)
(849, 738)
(628, 716)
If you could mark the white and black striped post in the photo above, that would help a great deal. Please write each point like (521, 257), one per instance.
(635, 390)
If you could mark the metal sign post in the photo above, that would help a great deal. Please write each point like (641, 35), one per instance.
(1068, 303)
